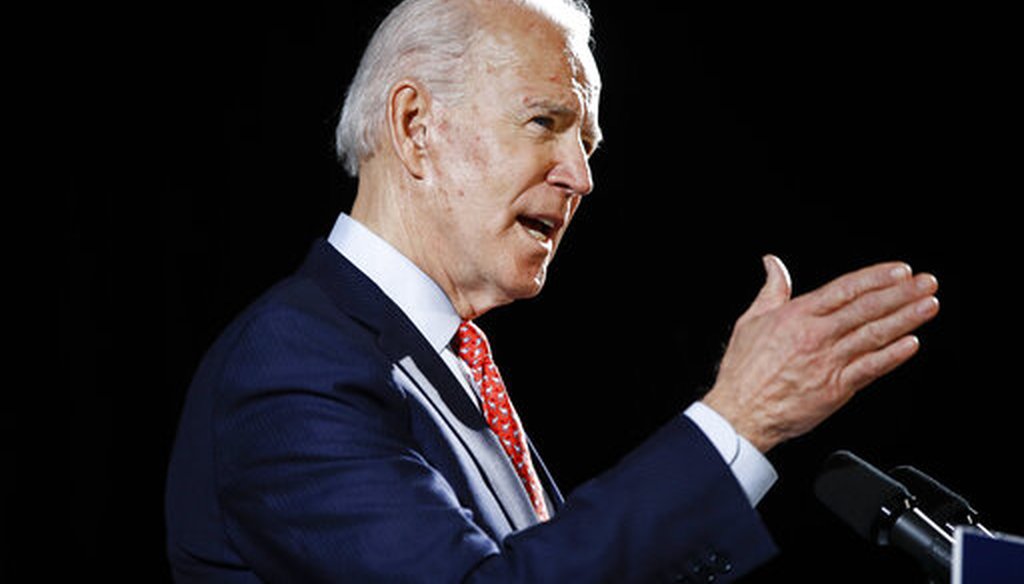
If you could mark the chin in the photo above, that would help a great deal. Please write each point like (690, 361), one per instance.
(536, 284)
(534, 291)
(524, 288)
(524, 282)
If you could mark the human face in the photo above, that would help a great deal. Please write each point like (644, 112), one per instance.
(511, 163)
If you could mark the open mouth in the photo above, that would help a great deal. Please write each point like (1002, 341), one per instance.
(539, 228)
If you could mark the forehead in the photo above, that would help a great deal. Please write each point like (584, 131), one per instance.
(539, 57)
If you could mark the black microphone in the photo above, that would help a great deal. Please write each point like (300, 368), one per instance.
(946, 507)
(882, 510)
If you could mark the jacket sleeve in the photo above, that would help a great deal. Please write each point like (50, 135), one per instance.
(670, 511)
(319, 480)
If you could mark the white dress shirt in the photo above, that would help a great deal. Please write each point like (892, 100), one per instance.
(430, 310)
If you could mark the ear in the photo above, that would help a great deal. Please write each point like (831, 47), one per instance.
(408, 118)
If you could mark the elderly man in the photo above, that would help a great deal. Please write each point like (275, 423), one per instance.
(351, 426)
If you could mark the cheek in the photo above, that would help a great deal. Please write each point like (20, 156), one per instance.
(463, 162)
(474, 174)
(464, 150)
(478, 154)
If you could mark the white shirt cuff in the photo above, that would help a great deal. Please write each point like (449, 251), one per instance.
(752, 470)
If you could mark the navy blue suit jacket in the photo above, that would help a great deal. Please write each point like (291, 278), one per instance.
(324, 440)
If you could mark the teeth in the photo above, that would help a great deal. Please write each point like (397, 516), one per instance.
(536, 234)
(539, 228)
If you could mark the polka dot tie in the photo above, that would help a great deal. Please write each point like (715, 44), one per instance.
(498, 411)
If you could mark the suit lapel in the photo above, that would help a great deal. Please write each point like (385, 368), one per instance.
(478, 444)
(435, 386)
(555, 499)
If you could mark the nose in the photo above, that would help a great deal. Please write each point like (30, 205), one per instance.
(571, 171)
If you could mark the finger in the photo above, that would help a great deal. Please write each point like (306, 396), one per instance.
(777, 289)
(871, 366)
(880, 303)
(880, 333)
(847, 288)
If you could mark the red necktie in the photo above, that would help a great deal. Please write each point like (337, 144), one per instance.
(498, 411)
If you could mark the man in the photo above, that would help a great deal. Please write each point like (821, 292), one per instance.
(349, 427)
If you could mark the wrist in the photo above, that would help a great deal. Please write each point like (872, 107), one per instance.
(743, 422)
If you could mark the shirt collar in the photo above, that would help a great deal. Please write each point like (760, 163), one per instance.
(419, 297)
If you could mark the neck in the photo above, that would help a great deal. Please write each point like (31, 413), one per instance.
(394, 214)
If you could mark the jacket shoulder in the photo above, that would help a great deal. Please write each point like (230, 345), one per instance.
(296, 335)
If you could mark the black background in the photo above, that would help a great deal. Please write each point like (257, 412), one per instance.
(190, 145)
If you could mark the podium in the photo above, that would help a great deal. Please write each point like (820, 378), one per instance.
(981, 558)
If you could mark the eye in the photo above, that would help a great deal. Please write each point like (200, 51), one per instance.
(546, 122)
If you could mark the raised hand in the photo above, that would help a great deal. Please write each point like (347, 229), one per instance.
(791, 363)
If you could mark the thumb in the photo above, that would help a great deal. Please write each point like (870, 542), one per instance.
(777, 289)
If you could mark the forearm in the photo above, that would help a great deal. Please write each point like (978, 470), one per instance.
(668, 507)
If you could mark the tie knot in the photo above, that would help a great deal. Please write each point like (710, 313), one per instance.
(472, 344)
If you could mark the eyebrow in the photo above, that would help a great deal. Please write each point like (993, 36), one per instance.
(552, 106)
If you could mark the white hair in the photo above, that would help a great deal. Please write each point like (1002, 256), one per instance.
(427, 40)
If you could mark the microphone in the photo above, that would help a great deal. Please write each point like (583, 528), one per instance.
(882, 510)
(946, 507)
